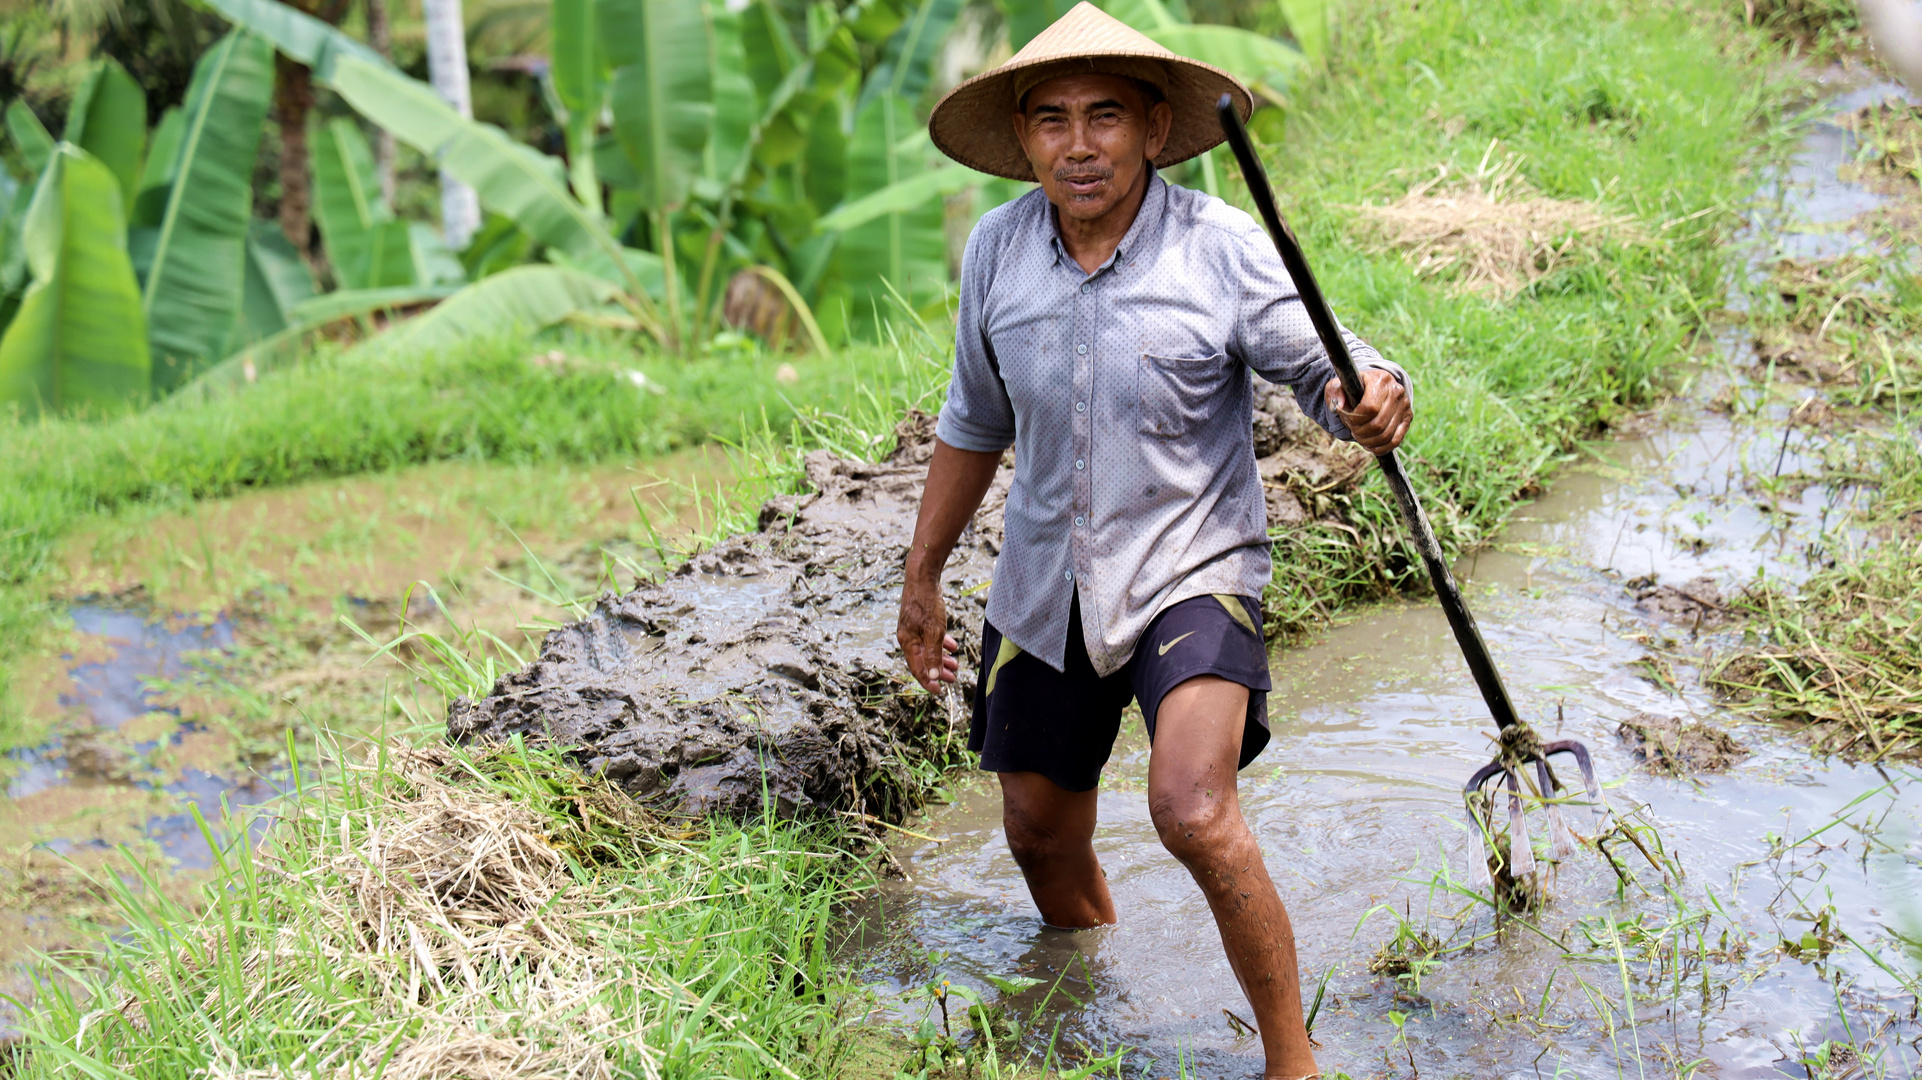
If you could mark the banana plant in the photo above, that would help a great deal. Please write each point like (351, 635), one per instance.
(195, 257)
(369, 247)
(662, 97)
(108, 119)
(720, 139)
(78, 338)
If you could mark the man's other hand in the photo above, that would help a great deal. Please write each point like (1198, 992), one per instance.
(923, 634)
(1382, 419)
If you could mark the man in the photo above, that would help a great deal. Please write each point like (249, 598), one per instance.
(1108, 324)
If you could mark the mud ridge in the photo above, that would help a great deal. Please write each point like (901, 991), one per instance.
(766, 667)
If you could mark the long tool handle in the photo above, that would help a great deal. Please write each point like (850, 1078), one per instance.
(1466, 633)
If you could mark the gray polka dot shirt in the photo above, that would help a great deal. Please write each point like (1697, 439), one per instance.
(1126, 396)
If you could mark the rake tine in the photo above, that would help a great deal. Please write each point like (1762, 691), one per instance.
(1484, 829)
(1592, 786)
(1521, 855)
(1561, 842)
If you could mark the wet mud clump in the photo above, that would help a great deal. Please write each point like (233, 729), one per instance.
(766, 667)
(1301, 466)
(1675, 747)
(1696, 601)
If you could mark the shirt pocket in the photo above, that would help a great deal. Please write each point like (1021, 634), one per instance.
(1177, 393)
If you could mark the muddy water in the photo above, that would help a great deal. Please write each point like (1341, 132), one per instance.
(1357, 802)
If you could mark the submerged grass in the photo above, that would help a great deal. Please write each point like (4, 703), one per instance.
(1843, 652)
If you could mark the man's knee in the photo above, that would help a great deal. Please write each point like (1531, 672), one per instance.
(1193, 826)
(1034, 840)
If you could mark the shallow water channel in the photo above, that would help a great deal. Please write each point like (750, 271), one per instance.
(1357, 804)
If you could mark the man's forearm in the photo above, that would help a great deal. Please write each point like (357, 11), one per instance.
(957, 482)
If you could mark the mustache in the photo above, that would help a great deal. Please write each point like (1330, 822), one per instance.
(1084, 172)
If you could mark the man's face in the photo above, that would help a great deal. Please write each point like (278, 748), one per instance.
(1089, 138)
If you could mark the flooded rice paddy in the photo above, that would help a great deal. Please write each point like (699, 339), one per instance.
(1766, 944)
(1357, 805)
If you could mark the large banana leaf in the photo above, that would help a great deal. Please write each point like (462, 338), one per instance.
(352, 303)
(78, 337)
(285, 348)
(905, 248)
(1146, 16)
(875, 20)
(30, 135)
(524, 298)
(157, 174)
(296, 33)
(196, 277)
(907, 63)
(734, 100)
(368, 247)
(276, 282)
(1026, 18)
(579, 73)
(906, 195)
(663, 91)
(434, 262)
(511, 179)
(108, 120)
(826, 178)
(1266, 65)
(769, 48)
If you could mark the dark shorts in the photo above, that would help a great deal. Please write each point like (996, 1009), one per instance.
(1028, 717)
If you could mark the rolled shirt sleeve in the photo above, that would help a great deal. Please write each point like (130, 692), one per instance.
(1275, 337)
(977, 415)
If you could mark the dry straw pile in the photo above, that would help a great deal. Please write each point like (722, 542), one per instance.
(1488, 231)
(457, 909)
(456, 915)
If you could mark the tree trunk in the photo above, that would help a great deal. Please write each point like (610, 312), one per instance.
(447, 69)
(293, 100)
(380, 35)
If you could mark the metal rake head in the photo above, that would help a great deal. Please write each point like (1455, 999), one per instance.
(1520, 750)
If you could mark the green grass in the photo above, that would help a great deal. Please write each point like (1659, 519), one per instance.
(1651, 110)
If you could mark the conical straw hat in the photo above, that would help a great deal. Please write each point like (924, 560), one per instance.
(974, 125)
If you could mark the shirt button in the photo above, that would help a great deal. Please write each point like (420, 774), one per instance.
(1080, 464)
(1080, 406)
(1079, 521)
(1082, 349)
(1087, 288)
(1067, 575)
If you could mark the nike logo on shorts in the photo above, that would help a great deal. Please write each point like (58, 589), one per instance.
(1166, 645)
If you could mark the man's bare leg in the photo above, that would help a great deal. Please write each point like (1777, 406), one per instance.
(1051, 832)
(1191, 795)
